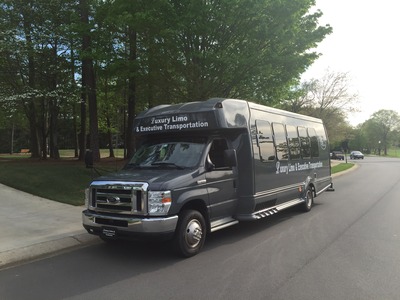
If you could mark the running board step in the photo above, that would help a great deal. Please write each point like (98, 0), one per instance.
(273, 210)
(269, 211)
(223, 223)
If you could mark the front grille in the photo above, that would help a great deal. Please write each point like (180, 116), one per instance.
(119, 197)
(111, 222)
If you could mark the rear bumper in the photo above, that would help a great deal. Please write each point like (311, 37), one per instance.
(125, 226)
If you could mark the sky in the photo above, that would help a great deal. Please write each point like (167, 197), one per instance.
(365, 43)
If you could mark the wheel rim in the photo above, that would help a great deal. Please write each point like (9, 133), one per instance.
(309, 199)
(193, 233)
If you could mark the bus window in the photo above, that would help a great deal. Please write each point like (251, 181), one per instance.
(314, 142)
(216, 154)
(282, 151)
(265, 141)
(305, 146)
(293, 141)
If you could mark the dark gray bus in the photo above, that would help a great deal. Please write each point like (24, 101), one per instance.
(204, 166)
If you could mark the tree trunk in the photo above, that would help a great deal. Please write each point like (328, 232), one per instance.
(110, 140)
(44, 129)
(76, 135)
(130, 146)
(73, 106)
(82, 134)
(53, 134)
(89, 85)
(30, 108)
(109, 134)
(53, 113)
(12, 138)
(34, 146)
(93, 119)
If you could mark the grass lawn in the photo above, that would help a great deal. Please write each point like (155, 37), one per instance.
(341, 167)
(393, 152)
(64, 180)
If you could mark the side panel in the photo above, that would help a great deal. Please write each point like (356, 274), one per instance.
(279, 174)
(221, 187)
(220, 180)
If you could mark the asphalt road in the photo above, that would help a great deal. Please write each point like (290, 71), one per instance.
(347, 247)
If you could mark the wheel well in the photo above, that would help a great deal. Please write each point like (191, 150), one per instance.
(312, 187)
(199, 205)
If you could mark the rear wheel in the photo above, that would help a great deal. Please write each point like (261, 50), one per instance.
(309, 200)
(190, 233)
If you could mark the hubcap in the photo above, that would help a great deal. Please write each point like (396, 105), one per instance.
(309, 199)
(193, 234)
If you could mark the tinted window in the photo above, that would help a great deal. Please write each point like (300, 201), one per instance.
(314, 142)
(293, 141)
(305, 145)
(216, 154)
(265, 141)
(282, 151)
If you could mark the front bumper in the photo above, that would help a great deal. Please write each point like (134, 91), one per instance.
(125, 226)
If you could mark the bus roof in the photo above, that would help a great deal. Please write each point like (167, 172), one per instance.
(215, 113)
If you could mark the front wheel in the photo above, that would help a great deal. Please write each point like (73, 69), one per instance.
(309, 200)
(190, 233)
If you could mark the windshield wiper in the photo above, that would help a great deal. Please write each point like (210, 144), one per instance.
(167, 164)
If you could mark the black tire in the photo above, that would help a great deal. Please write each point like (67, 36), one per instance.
(190, 233)
(309, 201)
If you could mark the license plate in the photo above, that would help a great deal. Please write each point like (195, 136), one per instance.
(109, 232)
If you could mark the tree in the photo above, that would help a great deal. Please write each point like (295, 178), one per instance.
(35, 61)
(360, 140)
(179, 51)
(126, 56)
(89, 81)
(382, 124)
(328, 98)
(242, 49)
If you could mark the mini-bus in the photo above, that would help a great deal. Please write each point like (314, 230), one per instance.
(204, 166)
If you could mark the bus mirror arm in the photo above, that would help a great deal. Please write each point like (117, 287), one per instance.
(209, 165)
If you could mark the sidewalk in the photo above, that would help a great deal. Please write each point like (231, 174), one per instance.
(33, 227)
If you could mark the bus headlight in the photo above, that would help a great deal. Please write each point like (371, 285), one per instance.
(159, 202)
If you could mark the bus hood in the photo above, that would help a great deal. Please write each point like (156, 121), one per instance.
(158, 179)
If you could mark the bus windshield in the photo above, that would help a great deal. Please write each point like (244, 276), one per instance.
(178, 153)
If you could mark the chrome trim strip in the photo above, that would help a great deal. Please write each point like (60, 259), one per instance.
(320, 179)
(324, 189)
(223, 223)
(118, 190)
(278, 190)
(135, 225)
(290, 187)
(273, 210)
(269, 211)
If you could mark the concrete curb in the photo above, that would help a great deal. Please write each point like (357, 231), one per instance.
(346, 171)
(33, 252)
